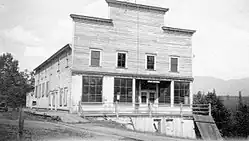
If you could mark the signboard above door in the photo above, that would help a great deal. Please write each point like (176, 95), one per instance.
(153, 81)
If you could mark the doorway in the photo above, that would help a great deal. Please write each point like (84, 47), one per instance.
(147, 96)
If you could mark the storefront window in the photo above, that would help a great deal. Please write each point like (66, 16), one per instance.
(164, 92)
(92, 89)
(123, 88)
(181, 92)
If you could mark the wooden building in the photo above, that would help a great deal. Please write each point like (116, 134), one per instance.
(131, 59)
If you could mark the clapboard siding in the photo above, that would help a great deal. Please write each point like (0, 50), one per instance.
(125, 35)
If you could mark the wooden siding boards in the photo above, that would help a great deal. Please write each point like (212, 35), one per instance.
(126, 35)
(48, 71)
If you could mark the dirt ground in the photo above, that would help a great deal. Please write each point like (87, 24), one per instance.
(40, 129)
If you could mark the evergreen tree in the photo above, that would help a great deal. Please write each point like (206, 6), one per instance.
(242, 119)
(221, 115)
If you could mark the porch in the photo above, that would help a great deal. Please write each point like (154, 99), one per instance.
(112, 95)
(151, 110)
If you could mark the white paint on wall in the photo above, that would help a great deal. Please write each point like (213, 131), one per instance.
(108, 89)
(76, 92)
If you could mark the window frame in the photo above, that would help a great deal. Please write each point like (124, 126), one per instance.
(125, 87)
(146, 61)
(179, 90)
(177, 57)
(90, 57)
(126, 56)
(89, 85)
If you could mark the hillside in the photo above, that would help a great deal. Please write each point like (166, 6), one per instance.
(222, 87)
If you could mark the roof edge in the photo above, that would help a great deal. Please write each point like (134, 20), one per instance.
(53, 56)
(137, 5)
(188, 31)
(90, 18)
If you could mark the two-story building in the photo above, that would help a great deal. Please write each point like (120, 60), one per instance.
(130, 58)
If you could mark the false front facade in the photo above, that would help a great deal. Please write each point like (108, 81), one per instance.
(130, 59)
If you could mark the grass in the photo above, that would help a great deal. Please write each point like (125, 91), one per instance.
(9, 133)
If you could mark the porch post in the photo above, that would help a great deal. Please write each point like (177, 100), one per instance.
(172, 93)
(133, 91)
(191, 93)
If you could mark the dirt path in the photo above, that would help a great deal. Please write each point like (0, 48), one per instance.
(39, 130)
(123, 133)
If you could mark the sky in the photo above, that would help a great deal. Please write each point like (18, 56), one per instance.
(32, 30)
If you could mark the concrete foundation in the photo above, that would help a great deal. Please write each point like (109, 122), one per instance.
(170, 126)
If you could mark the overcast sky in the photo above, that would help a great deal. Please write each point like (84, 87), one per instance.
(32, 30)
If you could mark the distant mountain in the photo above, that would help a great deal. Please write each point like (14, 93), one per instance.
(222, 87)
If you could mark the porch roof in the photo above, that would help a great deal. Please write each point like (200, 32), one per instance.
(137, 76)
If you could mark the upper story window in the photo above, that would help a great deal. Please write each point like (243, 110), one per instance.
(174, 64)
(150, 62)
(121, 60)
(95, 57)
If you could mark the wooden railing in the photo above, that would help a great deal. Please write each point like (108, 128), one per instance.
(115, 108)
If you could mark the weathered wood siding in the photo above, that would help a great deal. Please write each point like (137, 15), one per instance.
(138, 33)
(57, 76)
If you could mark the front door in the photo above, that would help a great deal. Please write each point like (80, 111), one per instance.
(147, 96)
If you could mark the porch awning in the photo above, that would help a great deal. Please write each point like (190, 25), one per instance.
(137, 76)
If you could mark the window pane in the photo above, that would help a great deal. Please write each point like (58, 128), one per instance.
(174, 64)
(99, 90)
(85, 80)
(116, 82)
(123, 91)
(174, 61)
(99, 81)
(150, 62)
(129, 99)
(85, 90)
(92, 90)
(186, 85)
(123, 82)
(95, 62)
(95, 54)
(84, 98)
(129, 83)
(95, 58)
(177, 85)
(98, 98)
(92, 81)
(121, 59)
(92, 98)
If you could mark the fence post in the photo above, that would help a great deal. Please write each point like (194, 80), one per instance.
(21, 124)
(181, 114)
(116, 108)
(150, 112)
(209, 109)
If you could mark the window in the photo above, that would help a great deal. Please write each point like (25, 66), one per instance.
(164, 92)
(39, 91)
(65, 96)
(123, 88)
(144, 97)
(61, 95)
(67, 62)
(36, 91)
(174, 64)
(150, 62)
(58, 65)
(121, 59)
(181, 92)
(92, 89)
(47, 88)
(95, 58)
